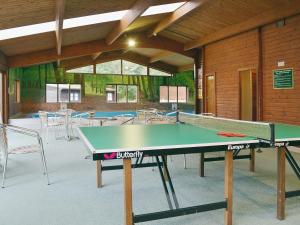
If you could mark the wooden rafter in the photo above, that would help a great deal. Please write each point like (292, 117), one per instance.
(96, 55)
(129, 56)
(90, 48)
(60, 9)
(160, 56)
(176, 15)
(139, 7)
(3, 62)
(280, 12)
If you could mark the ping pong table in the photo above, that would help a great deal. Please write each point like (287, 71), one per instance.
(191, 134)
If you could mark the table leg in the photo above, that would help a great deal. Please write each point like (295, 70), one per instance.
(165, 169)
(201, 166)
(127, 192)
(228, 186)
(281, 183)
(252, 160)
(99, 173)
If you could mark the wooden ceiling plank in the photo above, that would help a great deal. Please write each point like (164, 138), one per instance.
(176, 15)
(59, 19)
(280, 12)
(160, 56)
(186, 67)
(139, 7)
(92, 47)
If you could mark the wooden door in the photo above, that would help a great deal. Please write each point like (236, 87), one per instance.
(247, 95)
(210, 94)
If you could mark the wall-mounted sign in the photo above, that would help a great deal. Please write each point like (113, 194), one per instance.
(283, 79)
(281, 63)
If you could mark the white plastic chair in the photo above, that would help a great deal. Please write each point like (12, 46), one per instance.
(53, 121)
(7, 149)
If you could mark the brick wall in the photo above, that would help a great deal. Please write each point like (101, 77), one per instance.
(282, 43)
(226, 57)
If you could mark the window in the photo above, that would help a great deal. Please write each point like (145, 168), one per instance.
(121, 93)
(163, 93)
(130, 68)
(111, 93)
(85, 69)
(132, 93)
(63, 93)
(154, 72)
(51, 93)
(17, 91)
(173, 94)
(75, 93)
(112, 67)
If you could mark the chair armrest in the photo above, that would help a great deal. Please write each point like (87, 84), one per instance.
(22, 130)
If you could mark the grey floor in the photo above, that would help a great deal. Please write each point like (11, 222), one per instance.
(73, 199)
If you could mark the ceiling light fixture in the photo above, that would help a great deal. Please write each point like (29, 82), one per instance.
(131, 43)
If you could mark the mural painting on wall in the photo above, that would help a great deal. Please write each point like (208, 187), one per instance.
(34, 80)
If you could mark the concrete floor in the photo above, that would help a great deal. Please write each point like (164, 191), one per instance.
(73, 199)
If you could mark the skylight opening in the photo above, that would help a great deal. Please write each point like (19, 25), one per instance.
(83, 21)
(27, 30)
(166, 8)
(93, 19)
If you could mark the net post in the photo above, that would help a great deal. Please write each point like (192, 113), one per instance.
(177, 116)
(272, 138)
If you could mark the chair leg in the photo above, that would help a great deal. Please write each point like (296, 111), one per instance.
(44, 162)
(47, 135)
(184, 163)
(4, 170)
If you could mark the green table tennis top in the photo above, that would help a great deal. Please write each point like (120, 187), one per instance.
(286, 132)
(160, 136)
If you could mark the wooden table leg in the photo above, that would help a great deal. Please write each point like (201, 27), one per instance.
(201, 166)
(281, 183)
(127, 192)
(99, 173)
(252, 160)
(228, 186)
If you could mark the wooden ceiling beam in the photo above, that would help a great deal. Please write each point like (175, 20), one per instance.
(59, 19)
(145, 61)
(160, 56)
(139, 7)
(96, 55)
(92, 47)
(129, 56)
(280, 12)
(176, 15)
(3, 62)
(186, 67)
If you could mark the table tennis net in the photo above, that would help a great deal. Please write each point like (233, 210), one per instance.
(253, 129)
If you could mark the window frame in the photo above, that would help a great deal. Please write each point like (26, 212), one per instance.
(116, 91)
(168, 86)
(57, 93)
